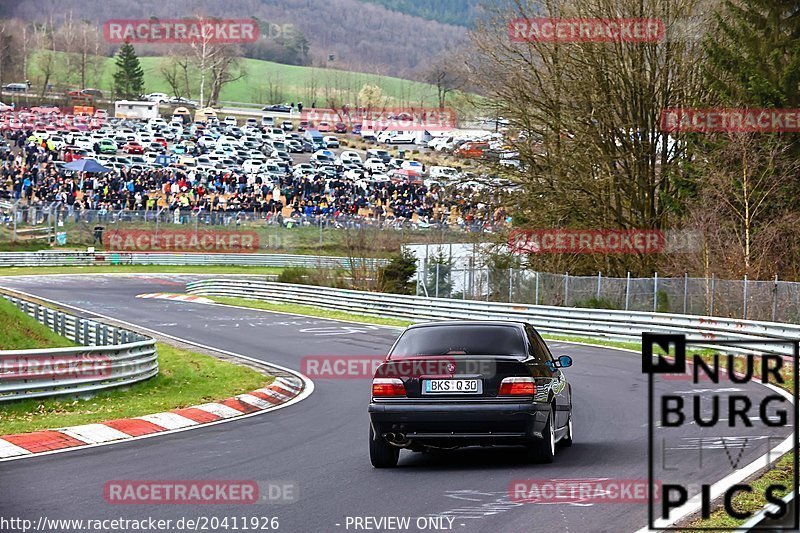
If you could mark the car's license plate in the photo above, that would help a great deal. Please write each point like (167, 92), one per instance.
(452, 386)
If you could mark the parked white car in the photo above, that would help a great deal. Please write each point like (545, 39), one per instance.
(331, 141)
(374, 165)
(252, 166)
(348, 156)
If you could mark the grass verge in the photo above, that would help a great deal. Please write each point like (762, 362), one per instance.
(185, 378)
(140, 269)
(310, 311)
(21, 332)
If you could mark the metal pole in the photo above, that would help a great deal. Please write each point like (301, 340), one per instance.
(464, 285)
(744, 299)
(775, 299)
(713, 279)
(566, 289)
(685, 290)
(16, 204)
(510, 283)
(437, 279)
(536, 297)
(655, 293)
(627, 290)
(599, 282)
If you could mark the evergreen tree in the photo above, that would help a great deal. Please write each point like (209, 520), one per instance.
(754, 56)
(397, 275)
(129, 76)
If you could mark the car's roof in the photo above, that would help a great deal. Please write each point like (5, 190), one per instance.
(440, 323)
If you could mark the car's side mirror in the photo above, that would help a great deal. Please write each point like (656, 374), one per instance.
(563, 361)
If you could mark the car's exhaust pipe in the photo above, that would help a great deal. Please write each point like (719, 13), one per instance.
(398, 439)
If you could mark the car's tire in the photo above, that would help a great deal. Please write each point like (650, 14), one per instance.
(381, 453)
(543, 451)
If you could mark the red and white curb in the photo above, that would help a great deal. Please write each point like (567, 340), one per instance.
(279, 392)
(176, 297)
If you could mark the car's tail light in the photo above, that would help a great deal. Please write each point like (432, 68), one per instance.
(517, 386)
(387, 387)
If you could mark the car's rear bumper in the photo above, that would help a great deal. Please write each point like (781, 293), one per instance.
(461, 422)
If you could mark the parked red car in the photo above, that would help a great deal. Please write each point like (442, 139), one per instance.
(133, 147)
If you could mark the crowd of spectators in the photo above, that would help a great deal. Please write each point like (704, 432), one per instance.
(32, 173)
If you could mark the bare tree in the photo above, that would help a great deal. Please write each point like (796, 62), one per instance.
(446, 77)
(175, 71)
(46, 57)
(740, 201)
(588, 114)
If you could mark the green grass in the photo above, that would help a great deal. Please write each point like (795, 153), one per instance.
(780, 474)
(21, 332)
(310, 311)
(140, 269)
(292, 80)
(184, 379)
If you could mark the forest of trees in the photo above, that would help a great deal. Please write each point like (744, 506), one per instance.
(360, 36)
(457, 12)
(597, 155)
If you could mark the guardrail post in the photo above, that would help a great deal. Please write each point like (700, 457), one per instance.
(744, 299)
(536, 292)
(105, 335)
(86, 338)
(566, 289)
(655, 293)
(510, 283)
(627, 290)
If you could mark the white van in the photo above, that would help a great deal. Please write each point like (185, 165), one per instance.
(397, 137)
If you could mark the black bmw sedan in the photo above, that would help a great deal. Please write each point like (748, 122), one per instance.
(469, 383)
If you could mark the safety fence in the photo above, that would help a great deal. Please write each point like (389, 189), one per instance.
(590, 323)
(59, 258)
(108, 356)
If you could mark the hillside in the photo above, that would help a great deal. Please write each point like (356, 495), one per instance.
(457, 12)
(361, 36)
(268, 82)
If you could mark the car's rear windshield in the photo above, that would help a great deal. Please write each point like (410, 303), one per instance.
(460, 340)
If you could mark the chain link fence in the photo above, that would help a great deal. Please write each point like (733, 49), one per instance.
(776, 301)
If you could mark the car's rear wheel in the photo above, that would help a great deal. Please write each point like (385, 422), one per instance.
(381, 453)
(544, 450)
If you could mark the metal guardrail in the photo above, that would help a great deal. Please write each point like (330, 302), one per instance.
(59, 258)
(592, 323)
(109, 357)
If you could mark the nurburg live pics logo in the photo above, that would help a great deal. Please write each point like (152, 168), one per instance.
(699, 434)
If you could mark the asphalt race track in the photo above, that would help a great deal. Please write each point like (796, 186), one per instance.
(321, 442)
